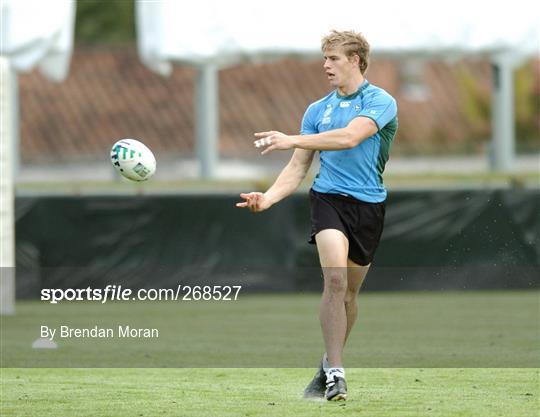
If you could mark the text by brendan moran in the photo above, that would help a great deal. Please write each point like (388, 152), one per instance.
(66, 332)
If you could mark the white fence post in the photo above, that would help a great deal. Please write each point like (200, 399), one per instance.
(207, 118)
(8, 134)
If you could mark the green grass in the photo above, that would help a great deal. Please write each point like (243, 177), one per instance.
(402, 329)
(267, 392)
(410, 354)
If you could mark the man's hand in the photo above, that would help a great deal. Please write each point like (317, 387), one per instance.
(255, 201)
(273, 141)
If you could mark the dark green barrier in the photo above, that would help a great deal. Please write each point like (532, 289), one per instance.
(432, 240)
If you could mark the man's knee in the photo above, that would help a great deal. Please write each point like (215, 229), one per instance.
(335, 283)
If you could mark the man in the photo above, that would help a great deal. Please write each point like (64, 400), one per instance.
(352, 128)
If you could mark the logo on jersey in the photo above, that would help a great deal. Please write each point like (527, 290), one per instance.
(326, 119)
(344, 104)
(357, 108)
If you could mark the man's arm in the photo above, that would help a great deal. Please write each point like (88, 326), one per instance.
(291, 177)
(286, 183)
(358, 130)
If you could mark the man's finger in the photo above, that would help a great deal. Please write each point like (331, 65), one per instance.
(263, 142)
(264, 134)
(244, 204)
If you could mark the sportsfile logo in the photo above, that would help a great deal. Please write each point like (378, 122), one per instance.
(119, 293)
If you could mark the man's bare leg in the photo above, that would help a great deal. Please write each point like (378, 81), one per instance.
(333, 248)
(355, 277)
(338, 304)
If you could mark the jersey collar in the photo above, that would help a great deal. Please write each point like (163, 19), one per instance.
(362, 87)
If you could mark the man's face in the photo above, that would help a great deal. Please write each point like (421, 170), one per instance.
(338, 67)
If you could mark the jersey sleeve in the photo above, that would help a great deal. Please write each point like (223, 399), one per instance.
(308, 122)
(381, 109)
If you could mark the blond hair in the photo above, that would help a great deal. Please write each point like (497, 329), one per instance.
(353, 43)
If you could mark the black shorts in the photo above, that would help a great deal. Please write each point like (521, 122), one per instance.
(360, 221)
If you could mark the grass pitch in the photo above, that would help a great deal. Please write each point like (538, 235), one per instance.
(411, 354)
(480, 329)
(267, 392)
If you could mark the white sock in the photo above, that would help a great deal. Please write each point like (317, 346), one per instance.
(325, 364)
(332, 372)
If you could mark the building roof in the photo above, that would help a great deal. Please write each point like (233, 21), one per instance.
(109, 95)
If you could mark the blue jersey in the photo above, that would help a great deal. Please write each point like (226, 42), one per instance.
(356, 172)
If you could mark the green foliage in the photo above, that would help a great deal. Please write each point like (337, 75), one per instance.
(105, 21)
(476, 106)
(527, 99)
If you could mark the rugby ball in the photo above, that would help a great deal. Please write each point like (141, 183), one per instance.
(133, 159)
